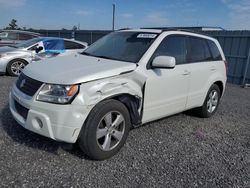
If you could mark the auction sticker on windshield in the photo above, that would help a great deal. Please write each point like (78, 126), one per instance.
(146, 35)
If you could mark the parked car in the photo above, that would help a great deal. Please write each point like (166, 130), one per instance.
(14, 58)
(12, 37)
(123, 80)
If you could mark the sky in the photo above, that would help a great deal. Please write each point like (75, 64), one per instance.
(97, 14)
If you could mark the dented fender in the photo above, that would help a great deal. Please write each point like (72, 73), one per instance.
(91, 93)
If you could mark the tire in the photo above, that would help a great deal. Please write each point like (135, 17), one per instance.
(15, 67)
(97, 138)
(211, 102)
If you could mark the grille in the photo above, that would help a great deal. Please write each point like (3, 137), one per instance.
(21, 110)
(28, 85)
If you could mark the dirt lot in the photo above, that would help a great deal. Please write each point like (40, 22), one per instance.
(179, 151)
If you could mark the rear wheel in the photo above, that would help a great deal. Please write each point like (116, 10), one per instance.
(106, 130)
(211, 102)
(15, 67)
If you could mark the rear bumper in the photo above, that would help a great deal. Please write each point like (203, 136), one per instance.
(58, 122)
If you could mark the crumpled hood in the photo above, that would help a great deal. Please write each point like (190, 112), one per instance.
(75, 69)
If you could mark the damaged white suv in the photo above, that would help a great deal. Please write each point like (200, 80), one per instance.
(123, 80)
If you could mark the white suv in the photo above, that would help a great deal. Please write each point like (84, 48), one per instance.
(123, 80)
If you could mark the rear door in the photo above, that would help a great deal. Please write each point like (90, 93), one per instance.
(201, 67)
(166, 89)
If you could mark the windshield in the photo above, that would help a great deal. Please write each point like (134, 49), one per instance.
(124, 46)
(28, 43)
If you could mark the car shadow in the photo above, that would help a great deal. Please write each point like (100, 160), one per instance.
(25, 137)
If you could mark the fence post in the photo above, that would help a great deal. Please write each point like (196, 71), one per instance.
(246, 69)
(91, 37)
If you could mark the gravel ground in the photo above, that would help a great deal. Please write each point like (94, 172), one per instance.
(179, 151)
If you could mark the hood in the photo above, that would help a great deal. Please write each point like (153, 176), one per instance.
(73, 69)
(9, 49)
(5, 49)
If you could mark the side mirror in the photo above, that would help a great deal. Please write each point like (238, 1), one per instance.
(164, 62)
(38, 49)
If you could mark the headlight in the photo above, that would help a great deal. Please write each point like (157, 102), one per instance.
(60, 94)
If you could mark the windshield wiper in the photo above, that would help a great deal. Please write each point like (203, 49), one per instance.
(104, 57)
(98, 56)
(85, 53)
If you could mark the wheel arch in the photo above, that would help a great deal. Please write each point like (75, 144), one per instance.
(220, 85)
(15, 59)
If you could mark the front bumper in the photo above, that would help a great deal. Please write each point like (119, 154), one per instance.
(59, 122)
(3, 64)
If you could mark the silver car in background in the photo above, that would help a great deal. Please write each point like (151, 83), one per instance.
(12, 37)
(14, 58)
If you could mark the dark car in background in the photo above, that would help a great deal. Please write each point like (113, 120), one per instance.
(12, 37)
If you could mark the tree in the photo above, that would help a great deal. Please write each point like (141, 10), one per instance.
(13, 25)
(74, 28)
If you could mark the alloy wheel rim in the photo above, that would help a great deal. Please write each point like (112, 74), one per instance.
(17, 67)
(212, 101)
(110, 130)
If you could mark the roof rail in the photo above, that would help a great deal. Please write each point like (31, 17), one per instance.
(177, 29)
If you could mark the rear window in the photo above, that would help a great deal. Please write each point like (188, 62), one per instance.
(198, 50)
(214, 50)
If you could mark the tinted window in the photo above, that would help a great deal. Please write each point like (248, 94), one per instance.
(174, 46)
(198, 50)
(23, 36)
(72, 45)
(214, 50)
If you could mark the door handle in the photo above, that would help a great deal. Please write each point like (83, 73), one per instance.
(186, 72)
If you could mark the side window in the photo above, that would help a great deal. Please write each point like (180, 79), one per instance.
(69, 45)
(12, 36)
(214, 50)
(23, 36)
(174, 46)
(198, 50)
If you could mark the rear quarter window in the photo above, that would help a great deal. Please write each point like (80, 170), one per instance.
(216, 56)
(198, 50)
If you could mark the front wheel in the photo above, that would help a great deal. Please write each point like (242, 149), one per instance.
(15, 67)
(211, 102)
(105, 130)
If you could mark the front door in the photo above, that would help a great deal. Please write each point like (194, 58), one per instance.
(166, 90)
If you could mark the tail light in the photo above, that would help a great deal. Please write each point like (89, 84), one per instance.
(226, 66)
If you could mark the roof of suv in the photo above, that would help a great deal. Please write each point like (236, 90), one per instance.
(158, 31)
